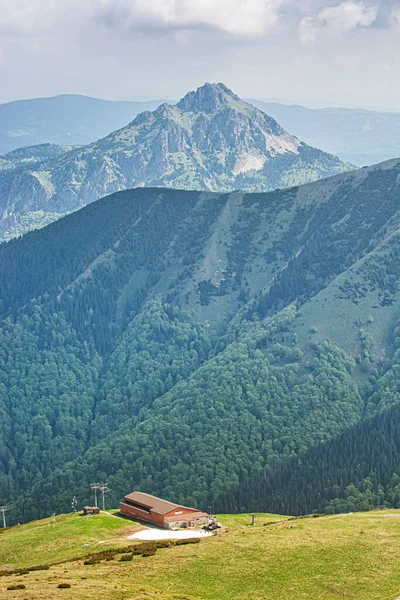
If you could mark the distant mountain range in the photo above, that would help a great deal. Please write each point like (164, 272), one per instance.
(361, 137)
(211, 140)
(191, 343)
(64, 120)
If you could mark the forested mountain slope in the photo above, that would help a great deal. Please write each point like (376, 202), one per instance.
(182, 342)
(357, 470)
(210, 140)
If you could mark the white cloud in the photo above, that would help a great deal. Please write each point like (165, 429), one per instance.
(334, 21)
(16, 16)
(395, 17)
(37, 16)
(236, 17)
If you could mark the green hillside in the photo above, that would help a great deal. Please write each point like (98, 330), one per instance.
(349, 556)
(185, 342)
(60, 538)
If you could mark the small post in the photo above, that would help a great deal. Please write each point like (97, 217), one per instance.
(209, 510)
(94, 487)
(253, 519)
(3, 509)
(103, 487)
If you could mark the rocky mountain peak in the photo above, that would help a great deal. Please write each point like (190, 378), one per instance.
(208, 98)
(211, 140)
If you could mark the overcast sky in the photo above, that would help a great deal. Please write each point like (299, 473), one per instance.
(313, 52)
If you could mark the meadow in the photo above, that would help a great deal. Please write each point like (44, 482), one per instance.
(354, 556)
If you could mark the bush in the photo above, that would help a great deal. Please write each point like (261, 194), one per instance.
(125, 557)
(6, 572)
(188, 541)
(39, 568)
(149, 552)
(19, 586)
(64, 586)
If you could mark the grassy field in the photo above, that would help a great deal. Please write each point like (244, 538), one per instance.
(66, 537)
(355, 556)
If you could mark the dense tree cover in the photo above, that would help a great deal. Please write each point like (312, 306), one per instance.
(236, 413)
(48, 379)
(152, 340)
(160, 347)
(357, 470)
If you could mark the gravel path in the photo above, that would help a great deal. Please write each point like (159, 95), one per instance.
(168, 534)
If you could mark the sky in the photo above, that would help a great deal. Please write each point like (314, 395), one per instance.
(311, 52)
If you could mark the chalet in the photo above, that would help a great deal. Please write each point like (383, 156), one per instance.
(161, 512)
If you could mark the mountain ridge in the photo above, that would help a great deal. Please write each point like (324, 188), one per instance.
(66, 119)
(359, 136)
(211, 140)
(194, 325)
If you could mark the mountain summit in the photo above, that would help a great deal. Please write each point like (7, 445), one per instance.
(208, 98)
(210, 140)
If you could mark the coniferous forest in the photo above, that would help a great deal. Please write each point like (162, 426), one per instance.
(240, 350)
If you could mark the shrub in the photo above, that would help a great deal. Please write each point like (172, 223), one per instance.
(64, 586)
(40, 568)
(6, 572)
(19, 586)
(149, 552)
(188, 541)
(125, 557)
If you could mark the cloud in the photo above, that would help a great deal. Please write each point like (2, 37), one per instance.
(236, 17)
(395, 17)
(17, 16)
(334, 21)
(33, 17)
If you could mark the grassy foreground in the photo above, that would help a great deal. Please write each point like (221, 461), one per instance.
(344, 556)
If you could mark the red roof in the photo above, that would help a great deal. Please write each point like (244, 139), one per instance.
(158, 505)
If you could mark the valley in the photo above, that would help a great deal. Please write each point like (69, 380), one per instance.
(199, 300)
(184, 343)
